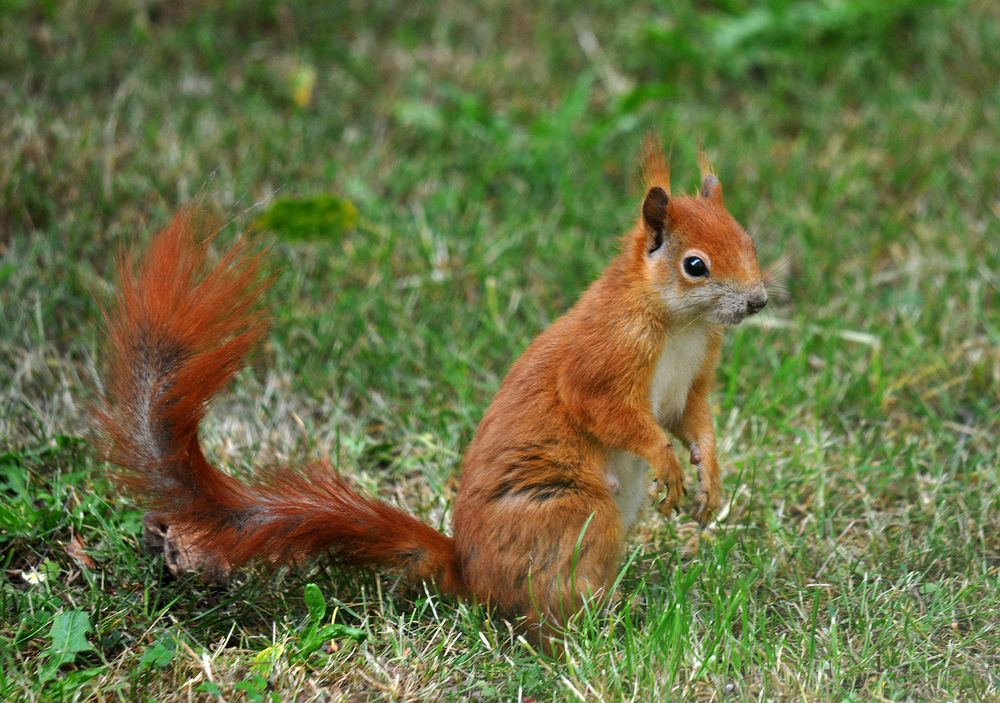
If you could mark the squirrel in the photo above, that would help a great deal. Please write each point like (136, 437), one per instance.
(556, 473)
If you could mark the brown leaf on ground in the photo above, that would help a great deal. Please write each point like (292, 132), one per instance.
(77, 549)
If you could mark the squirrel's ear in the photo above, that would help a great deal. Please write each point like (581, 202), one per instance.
(711, 188)
(656, 217)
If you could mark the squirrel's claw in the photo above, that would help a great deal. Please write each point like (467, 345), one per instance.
(668, 507)
(706, 506)
(675, 490)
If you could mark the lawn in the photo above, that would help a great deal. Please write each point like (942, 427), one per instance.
(438, 183)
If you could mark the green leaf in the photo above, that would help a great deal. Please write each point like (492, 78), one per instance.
(160, 654)
(336, 629)
(313, 639)
(209, 687)
(69, 636)
(314, 635)
(264, 660)
(316, 604)
(13, 477)
(255, 687)
(314, 217)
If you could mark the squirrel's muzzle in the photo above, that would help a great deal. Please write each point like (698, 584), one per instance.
(756, 303)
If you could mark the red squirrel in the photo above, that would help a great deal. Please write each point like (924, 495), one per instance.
(557, 471)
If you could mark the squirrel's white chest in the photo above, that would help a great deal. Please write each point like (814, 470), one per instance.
(679, 363)
(627, 475)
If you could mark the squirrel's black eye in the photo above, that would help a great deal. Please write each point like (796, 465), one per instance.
(695, 267)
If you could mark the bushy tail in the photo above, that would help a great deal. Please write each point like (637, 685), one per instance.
(179, 330)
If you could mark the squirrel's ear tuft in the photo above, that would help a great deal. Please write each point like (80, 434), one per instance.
(655, 169)
(711, 188)
(656, 216)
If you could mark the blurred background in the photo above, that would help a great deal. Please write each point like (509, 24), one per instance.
(439, 181)
(480, 159)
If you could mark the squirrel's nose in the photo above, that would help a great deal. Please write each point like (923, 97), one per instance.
(756, 303)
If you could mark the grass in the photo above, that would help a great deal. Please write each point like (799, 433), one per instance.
(469, 169)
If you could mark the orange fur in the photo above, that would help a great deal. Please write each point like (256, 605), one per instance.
(550, 482)
(179, 332)
(655, 169)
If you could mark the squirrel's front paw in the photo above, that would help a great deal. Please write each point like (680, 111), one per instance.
(706, 505)
(670, 482)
